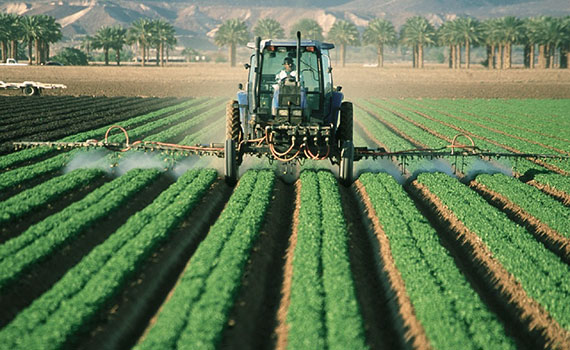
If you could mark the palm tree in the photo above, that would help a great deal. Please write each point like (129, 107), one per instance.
(447, 35)
(31, 31)
(468, 30)
(490, 35)
(565, 48)
(119, 40)
(269, 28)
(344, 33)
(162, 34)
(9, 35)
(510, 31)
(104, 40)
(417, 32)
(231, 33)
(309, 28)
(380, 32)
(51, 33)
(140, 33)
(86, 44)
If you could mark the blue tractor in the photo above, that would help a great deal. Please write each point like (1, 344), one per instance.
(290, 110)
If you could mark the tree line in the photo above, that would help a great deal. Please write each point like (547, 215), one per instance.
(547, 38)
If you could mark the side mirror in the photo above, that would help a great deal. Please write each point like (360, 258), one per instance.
(246, 65)
(240, 85)
(330, 70)
(338, 88)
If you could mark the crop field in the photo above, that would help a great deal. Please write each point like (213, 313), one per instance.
(151, 250)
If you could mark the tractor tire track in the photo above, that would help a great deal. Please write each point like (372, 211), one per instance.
(529, 323)
(128, 315)
(255, 314)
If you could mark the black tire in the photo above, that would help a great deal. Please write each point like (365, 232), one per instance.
(346, 163)
(30, 90)
(231, 167)
(344, 130)
(233, 124)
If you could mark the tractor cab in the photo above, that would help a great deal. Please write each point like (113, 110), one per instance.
(289, 110)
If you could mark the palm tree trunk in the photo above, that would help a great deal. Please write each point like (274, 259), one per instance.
(143, 52)
(451, 53)
(490, 56)
(30, 52)
(501, 57)
(467, 56)
(106, 50)
(4, 51)
(509, 55)
(118, 57)
(568, 58)
(37, 48)
(531, 56)
(47, 51)
(541, 56)
(552, 52)
(458, 56)
(414, 56)
(233, 54)
(380, 55)
(14, 44)
(343, 54)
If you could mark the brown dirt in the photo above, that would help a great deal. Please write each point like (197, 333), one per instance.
(254, 316)
(530, 315)
(553, 240)
(412, 329)
(211, 79)
(557, 194)
(282, 329)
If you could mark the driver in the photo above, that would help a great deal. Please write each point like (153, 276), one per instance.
(288, 71)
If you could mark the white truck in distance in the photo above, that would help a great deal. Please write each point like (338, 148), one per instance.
(13, 62)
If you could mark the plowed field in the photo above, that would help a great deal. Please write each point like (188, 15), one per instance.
(155, 251)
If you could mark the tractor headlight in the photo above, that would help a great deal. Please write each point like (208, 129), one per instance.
(297, 113)
(283, 113)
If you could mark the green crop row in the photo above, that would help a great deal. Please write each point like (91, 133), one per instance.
(451, 312)
(29, 154)
(530, 199)
(51, 320)
(520, 145)
(43, 238)
(541, 273)
(29, 172)
(400, 106)
(197, 312)
(556, 181)
(323, 311)
(495, 114)
(43, 194)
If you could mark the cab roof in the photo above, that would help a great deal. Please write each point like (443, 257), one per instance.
(292, 43)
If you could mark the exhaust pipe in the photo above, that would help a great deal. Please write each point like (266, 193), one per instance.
(297, 79)
(256, 76)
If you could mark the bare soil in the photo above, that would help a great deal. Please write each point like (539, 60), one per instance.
(211, 79)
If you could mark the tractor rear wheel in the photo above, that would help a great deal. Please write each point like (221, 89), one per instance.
(344, 136)
(29, 90)
(344, 131)
(234, 136)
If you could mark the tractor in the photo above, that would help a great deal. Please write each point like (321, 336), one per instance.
(289, 116)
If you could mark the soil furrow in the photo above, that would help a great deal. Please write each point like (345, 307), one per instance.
(405, 322)
(44, 274)
(560, 196)
(523, 314)
(281, 329)
(553, 240)
(366, 269)
(127, 315)
(254, 316)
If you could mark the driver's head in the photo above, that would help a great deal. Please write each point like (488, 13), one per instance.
(288, 63)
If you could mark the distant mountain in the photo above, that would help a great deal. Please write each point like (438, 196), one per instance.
(196, 21)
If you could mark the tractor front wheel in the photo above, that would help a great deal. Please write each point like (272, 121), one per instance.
(30, 90)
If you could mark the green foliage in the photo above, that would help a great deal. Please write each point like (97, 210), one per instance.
(309, 28)
(71, 57)
(451, 312)
(197, 312)
(323, 311)
(344, 33)
(73, 301)
(540, 272)
(41, 239)
(268, 28)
